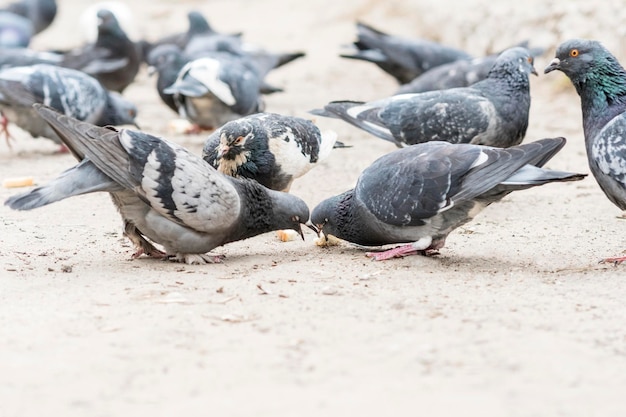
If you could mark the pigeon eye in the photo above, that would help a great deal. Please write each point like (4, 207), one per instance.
(296, 218)
(573, 53)
(238, 141)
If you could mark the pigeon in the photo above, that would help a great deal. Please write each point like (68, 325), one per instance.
(216, 89)
(600, 81)
(419, 194)
(15, 31)
(402, 58)
(460, 73)
(69, 91)
(166, 195)
(198, 26)
(113, 59)
(22, 57)
(166, 61)
(492, 112)
(40, 13)
(272, 149)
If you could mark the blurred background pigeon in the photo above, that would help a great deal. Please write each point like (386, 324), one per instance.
(600, 81)
(70, 92)
(113, 59)
(402, 58)
(460, 73)
(40, 13)
(491, 112)
(421, 193)
(15, 31)
(165, 194)
(213, 90)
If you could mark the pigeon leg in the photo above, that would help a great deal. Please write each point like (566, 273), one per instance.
(425, 246)
(397, 252)
(616, 260)
(142, 245)
(4, 130)
(197, 258)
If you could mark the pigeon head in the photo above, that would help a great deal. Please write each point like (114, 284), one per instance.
(289, 211)
(332, 216)
(237, 139)
(108, 24)
(516, 59)
(591, 68)
(120, 111)
(197, 23)
(164, 56)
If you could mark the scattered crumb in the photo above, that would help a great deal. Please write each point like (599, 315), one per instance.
(329, 240)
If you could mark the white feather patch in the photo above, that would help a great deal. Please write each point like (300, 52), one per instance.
(207, 71)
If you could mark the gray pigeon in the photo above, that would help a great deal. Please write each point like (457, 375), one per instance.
(270, 148)
(113, 59)
(492, 112)
(15, 31)
(165, 194)
(419, 194)
(22, 57)
(40, 13)
(216, 89)
(70, 92)
(402, 58)
(600, 81)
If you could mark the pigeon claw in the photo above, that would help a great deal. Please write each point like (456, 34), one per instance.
(397, 252)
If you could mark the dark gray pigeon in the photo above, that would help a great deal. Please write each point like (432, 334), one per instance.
(40, 13)
(165, 194)
(198, 26)
(419, 194)
(166, 61)
(270, 148)
(492, 112)
(600, 81)
(460, 73)
(15, 31)
(216, 89)
(69, 91)
(113, 59)
(402, 58)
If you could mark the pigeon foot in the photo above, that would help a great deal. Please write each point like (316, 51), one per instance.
(616, 260)
(397, 252)
(197, 258)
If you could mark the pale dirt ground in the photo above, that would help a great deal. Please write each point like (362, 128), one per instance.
(515, 318)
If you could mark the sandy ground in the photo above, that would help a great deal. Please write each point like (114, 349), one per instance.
(514, 318)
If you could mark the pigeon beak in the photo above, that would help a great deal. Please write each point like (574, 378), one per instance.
(534, 71)
(136, 125)
(300, 232)
(221, 151)
(555, 64)
(312, 227)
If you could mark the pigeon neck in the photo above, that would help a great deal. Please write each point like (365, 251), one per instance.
(603, 96)
(514, 79)
(257, 211)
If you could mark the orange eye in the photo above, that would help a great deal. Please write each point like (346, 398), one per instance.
(238, 140)
(573, 53)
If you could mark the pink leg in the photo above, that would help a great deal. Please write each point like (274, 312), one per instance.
(4, 129)
(397, 252)
(407, 250)
(616, 260)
